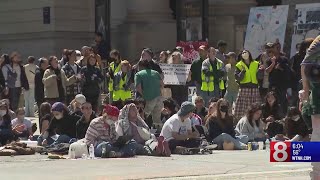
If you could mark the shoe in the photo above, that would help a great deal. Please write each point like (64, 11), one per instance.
(159, 148)
(167, 151)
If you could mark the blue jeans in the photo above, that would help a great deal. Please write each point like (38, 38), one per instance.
(238, 142)
(128, 150)
(231, 97)
(207, 95)
(14, 97)
(61, 139)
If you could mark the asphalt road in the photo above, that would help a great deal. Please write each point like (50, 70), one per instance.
(219, 165)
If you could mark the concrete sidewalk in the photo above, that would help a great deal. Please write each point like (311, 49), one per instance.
(220, 165)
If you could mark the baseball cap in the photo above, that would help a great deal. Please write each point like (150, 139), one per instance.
(80, 98)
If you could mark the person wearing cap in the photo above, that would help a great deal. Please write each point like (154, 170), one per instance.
(75, 105)
(16, 79)
(102, 134)
(62, 128)
(148, 84)
(71, 69)
(231, 84)
(39, 86)
(29, 99)
(247, 73)
(114, 68)
(212, 72)
(84, 122)
(310, 79)
(6, 134)
(177, 131)
(195, 69)
(122, 84)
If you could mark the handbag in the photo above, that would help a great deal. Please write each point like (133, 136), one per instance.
(143, 132)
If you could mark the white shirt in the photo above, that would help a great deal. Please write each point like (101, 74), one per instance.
(17, 69)
(174, 124)
(30, 70)
(27, 123)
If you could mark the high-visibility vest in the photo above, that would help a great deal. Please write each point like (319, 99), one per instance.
(121, 94)
(251, 72)
(208, 82)
(115, 70)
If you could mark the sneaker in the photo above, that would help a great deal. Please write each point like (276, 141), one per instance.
(167, 151)
(159, 148)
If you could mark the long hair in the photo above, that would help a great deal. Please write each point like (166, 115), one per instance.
(52, 58)
(6, 59)
(178, 55)
(253, 109)
(68, 54)
(271, 93)
(240, 56)
(228, 120)
(45, 108)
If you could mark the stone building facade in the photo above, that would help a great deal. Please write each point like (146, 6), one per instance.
(134, 24)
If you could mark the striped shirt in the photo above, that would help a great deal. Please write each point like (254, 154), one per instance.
(99, 130)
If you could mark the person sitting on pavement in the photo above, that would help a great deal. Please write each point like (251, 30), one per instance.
(45, 116)
(102, 134)
(62, 128)
(6, 134)
(271, 110)
(75, 105)
(22, 127)
(220, 127)
(86, 118)
(211, 110)
(251, 124)
(201, 110)
(11, 113)
(177, 131)
(169, 109)
(129, 126)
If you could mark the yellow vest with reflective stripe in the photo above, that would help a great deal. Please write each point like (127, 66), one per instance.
(121, 94)
(251, 72)
(208, 82)
(115, 70)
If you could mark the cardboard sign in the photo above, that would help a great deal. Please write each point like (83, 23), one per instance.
(175, 74)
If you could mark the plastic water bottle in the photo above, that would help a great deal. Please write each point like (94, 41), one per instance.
(91, 151)
(72, 154)
(267, 145)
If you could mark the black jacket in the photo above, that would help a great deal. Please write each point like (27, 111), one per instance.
(39, 87)
(82, 126)
(216, 128)
(2, 83)
(64, 126)
(275, 111)
(92, 79)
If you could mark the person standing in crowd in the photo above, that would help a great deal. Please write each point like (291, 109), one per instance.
(55, 82)
(280, 75)
(195, 69)
(85, 51)
(163, 57)
(122, 84)
(29, 98)
(101, 46)
(38, 84)
(62, 128)
(85, 120)
(310, 79)
(295, 62)
(114, 68)
(221, 51)
(179, 92)
(247, 73)
(72, 70)
(251, 124)
(148, 84)
(16, 78)
(177, 131)
(147, 55)
(91, 77)
(231, 84)
(63, 59)
(220, 127)
(6, 134)
(2, 80)
(264, 83)
(211, 76)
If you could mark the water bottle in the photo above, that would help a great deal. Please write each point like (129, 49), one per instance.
(72, 154)
(267, 145)
(91, 151)
(104, 152)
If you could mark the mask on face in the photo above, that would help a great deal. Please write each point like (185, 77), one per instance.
(224, 109)
(296, 118)
(245, 55)
(110, 122)
(3, 112)
(60, 116)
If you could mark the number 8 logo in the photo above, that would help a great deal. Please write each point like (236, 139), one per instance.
(280, 151)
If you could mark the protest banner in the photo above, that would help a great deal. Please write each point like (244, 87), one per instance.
(190, 49)
(175, 74)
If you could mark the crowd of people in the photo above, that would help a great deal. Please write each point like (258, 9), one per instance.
(240, 99)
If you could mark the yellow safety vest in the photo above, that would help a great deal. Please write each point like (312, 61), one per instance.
(251, 72)
(115, 70)
(208, 82)
(121, 94)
